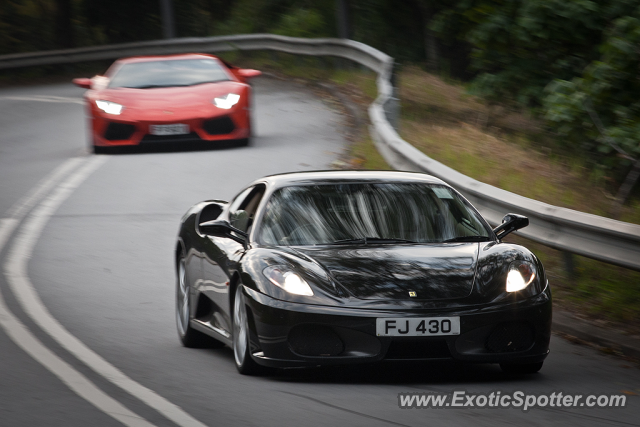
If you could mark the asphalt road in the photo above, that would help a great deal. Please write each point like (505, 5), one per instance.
(87, 320)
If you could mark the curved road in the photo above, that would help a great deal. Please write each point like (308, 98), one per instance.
(87, 331)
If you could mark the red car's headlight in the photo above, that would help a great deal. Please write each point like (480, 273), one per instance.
(227, 101)
(110, 107)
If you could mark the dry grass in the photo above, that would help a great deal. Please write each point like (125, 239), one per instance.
(503, 164)
(501, 147)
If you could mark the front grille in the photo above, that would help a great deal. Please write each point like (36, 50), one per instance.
(219, 126)
(152, 139)
(406, 349)
(508, 337)
(119, 131)
(315, 340)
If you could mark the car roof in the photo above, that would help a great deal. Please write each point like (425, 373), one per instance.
(134, 59)
(341, 176)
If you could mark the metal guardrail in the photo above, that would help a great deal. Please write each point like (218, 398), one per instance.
(348, 49)
(604, 239)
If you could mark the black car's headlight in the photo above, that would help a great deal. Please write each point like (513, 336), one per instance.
(286, 279)
(521, 275)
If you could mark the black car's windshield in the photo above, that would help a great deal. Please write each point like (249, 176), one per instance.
(369, 213)
(168, 73)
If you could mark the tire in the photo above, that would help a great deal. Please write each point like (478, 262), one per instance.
(521, 368)
(97, 149)
(188, 336)
(241, 353)
(244, 142)
(107, 149)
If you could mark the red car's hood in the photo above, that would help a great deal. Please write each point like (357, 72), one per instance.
(169, 98)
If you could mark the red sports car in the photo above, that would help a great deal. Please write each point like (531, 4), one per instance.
(183, 98)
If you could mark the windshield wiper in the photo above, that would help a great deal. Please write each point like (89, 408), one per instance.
(203, 82)
(170, 85)
(151, 86)
(467, 239)
(365, 240)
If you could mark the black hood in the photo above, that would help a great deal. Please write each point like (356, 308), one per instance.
(385, 272)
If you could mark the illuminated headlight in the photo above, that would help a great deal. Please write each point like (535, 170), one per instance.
(110, 107)
(227, 101)
(287, 280)
(521, 274)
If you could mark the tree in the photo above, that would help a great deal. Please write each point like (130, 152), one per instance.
(64, 25)
(600, 110)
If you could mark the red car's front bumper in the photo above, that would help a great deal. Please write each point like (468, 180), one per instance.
(113, 130)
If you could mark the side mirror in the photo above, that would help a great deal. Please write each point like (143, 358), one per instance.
(82, 82)
(511, 222)
(211, 210)
(222, 228)
(248, 73)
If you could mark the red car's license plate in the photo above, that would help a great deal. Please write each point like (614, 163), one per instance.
(175, 129)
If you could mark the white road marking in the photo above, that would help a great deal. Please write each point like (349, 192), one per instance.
(44, 98)
(77, 382)
(23, 337)
(15, 269)
(7, 225)
(46, 184)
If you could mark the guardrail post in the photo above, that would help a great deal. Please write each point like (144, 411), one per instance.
(569, 263)
(392, 107)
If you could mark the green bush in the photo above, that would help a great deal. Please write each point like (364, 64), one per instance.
(608, 91)
(302, 23)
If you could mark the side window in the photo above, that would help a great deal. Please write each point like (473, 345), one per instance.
(243, 209)
(239, 199)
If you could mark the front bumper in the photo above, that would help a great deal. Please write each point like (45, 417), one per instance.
(119, 131)
(285, 334)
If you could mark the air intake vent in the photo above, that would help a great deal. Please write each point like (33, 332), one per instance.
(119, 131)
(315, 340)
(508, 337)
(219, 126)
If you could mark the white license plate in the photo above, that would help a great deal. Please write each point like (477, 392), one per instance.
(417, 326)
(175, 129)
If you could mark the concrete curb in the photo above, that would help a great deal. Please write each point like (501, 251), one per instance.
(348, 104)
(608, 338)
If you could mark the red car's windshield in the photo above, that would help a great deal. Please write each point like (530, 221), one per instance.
(168, 73)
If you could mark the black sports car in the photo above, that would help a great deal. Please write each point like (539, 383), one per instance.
(338, 267)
